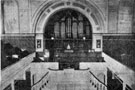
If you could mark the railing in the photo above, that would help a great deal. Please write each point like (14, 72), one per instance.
(41, 83)
(84, 69)
(13, 71)
(98, 84)
(121, 72)
(53, 69)
(40, 80)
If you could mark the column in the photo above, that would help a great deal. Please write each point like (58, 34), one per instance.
(12, 85)
(124, 86)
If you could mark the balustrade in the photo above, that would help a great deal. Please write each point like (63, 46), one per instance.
(96, 82)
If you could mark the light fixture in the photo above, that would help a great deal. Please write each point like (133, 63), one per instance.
(56, 55)
(84, 38)
(15, 56)
(23, 49)
(52, 38)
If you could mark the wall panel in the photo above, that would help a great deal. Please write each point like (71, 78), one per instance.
(125, 16)
(112, 16)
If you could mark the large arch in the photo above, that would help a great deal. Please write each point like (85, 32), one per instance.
(48, 8)
(65, 28)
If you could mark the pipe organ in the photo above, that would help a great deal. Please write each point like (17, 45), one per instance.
(68, 35)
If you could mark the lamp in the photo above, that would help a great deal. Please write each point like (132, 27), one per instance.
(84, 38)
(52, 38)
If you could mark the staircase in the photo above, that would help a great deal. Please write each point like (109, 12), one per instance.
(70, 79)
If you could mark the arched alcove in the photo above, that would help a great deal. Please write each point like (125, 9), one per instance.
(67, 29)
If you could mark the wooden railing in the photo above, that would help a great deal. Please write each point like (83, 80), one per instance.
(39, 82)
